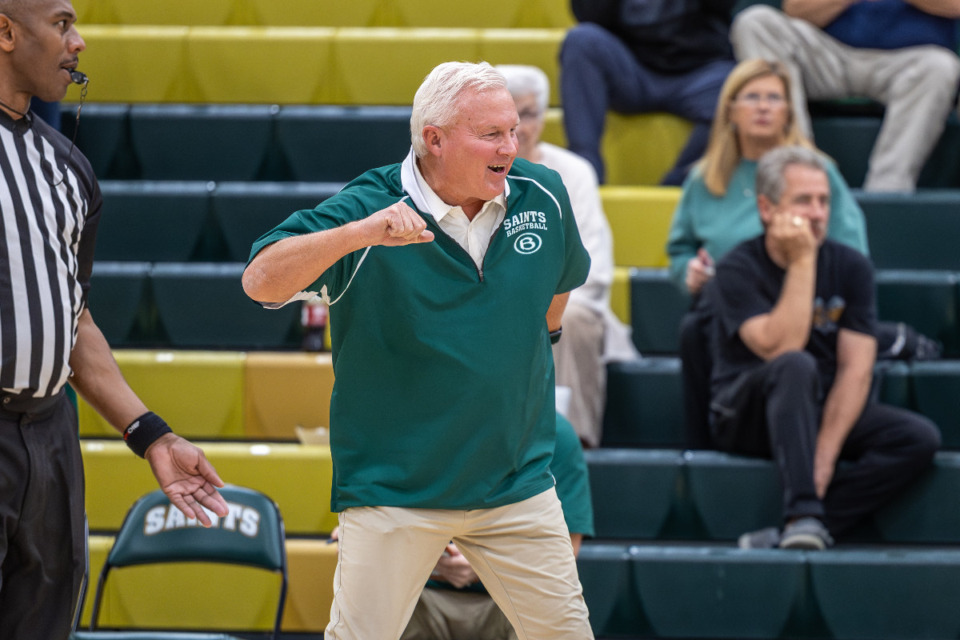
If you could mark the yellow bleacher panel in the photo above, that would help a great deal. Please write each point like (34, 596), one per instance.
(320, 13)
(86, 11)
(134, 64)
(637, 149)
(174, 12)
(244, 598)
(199, 393)
(312, 564)
(327, 13)
(443, 13)
(292, 65)
(537, 47)
(297, 477)
(639, 220)
(620, 294)
(385, 66)
(262, 64)
(553, 128)
(657, 138)
(283, 390)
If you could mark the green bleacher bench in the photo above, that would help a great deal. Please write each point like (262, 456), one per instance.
(606, 574)
(935, 387)
(691, 592)
(893, 594)
(207, 142)
(171, 140)
(650, 479)
(244, 211)
(713, 591)
(849, 141)
(154, 221)
(644, 404)
(713, 496)
(337, 144)
(656, 308)
(913, 231)
(926, 299)
(202, 305)
(732, 494)
(119, 302)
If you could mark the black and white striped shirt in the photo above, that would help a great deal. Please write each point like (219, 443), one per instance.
(47, 237)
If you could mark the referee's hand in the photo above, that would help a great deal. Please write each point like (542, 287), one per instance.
(186, 477)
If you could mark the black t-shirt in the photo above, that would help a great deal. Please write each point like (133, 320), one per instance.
(667, 36)
(748, 284)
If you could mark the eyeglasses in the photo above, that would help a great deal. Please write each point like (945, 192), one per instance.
(530, 114)
(754, 99)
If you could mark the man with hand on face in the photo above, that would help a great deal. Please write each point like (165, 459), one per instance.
(793, 331)
(49, 210)
(446, 276)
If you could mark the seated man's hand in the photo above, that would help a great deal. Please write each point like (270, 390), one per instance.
(454, 568)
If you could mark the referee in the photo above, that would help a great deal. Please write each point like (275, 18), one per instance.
(49, 209)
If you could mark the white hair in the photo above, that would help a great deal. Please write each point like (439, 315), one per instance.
(435, 102)
(524, 80)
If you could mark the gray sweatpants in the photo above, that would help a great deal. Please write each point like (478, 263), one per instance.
(918, 86)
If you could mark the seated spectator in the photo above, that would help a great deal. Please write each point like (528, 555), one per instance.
(794, 348)
(718, 209)
(637, 56)
(454, 605)
(592, 334)
(901, 53)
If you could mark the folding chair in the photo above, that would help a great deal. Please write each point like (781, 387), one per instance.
(252, 535)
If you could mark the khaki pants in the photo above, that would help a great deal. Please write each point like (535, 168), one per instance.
(918, 86)
(443, 614)
(521, 552)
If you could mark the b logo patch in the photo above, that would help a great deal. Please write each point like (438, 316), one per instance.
(527, 243)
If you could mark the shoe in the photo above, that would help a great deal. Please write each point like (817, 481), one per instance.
(806, 533)
(768, 538)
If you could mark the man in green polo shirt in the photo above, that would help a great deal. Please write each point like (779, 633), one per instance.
(446, 276)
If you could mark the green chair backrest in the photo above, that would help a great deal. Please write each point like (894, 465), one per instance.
(156, 531)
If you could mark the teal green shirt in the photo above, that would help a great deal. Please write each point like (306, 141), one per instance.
(719, 224)
(573, 479)
(444, 383)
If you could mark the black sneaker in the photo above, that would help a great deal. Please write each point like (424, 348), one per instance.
(806, 533)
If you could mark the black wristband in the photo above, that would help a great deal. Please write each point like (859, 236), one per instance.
(144, 431)
(555, 335)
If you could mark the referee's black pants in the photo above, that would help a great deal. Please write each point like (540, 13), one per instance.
(774, 411)
(42, 530)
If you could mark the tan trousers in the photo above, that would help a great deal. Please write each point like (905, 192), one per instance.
(521, 552)
(443, 614)
(918, 86)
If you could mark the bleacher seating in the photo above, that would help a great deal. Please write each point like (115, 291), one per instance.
(310, 591)
(298, 478)
(666, 591)
(252, 109)
(336, 13)
(293, 142)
